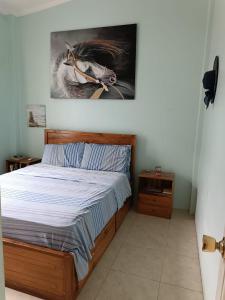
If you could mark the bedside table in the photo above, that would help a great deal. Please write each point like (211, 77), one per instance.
(155, 193)
(17, 163)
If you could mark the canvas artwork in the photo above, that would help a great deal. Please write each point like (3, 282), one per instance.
(36, 115)
(97, 63)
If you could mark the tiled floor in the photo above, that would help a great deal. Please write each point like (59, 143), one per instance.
(149, 259)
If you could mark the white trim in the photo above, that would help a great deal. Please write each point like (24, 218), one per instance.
(26, 11)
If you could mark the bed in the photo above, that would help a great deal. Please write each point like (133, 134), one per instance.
(49, 273)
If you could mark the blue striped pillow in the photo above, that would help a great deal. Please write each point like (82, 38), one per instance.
(53, 155)
(73, 154)
(114, 158)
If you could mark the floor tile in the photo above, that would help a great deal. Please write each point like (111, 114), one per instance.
(93, 285)
(182, 244)
(182, 238)
(181, 214)
(169, 292)
(139, 261)
(149, 234)
(127, 225)
(145, 220)
(120, 286)
(182, 271)
(111, 253)
(14, 295)
(183, 225)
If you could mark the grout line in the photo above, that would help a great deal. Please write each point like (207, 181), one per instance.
(135, 275)
(181, 287)
(124, 241)
(101, 285)
(158, 291)
(110, 269)
(122, 244)
(164, 262)
(119, 250)
(164, 259)
(179, 253)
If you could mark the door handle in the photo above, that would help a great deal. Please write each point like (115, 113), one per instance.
(209, 244)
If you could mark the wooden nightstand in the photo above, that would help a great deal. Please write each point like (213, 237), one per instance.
(17, 163)
(155, 193)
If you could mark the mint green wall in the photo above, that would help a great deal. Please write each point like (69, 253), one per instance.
(169, 60)
(210, 212)
(8, 103)
(7, 110)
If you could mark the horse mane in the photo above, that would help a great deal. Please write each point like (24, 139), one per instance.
(100, 51)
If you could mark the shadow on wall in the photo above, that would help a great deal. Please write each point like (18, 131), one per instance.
(183, 187)
(193, 201)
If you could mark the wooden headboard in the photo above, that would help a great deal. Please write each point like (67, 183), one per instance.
(70, 136)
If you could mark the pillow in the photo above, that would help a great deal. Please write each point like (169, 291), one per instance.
(73, 154)
(53, 155)
(114, 158)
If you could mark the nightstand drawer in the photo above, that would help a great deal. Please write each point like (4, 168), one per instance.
(164, 212)
(154, 200)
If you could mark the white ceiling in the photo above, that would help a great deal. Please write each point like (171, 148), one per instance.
(25, 7)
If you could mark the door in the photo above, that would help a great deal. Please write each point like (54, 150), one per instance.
(221, 284)
(209, 244)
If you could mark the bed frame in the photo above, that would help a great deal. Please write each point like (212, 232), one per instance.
(48, 273)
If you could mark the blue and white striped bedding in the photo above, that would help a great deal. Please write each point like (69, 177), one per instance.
(63, 155)
(73, 154)
(99, 157)
(53, 155)
(113, 158)
(61, 208)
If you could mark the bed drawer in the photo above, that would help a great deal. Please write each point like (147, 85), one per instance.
(155, 200)
(104, 239)
(122, 212)
(147, 209)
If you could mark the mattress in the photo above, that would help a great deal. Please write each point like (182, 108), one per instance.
(61, 208)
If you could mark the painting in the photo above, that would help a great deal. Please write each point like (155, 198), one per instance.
(97, 63)
(36, 115)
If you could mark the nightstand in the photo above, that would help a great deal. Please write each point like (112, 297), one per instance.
(16, 163)
(155, 193)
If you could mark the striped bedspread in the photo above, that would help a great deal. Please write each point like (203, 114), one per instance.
(61, 208)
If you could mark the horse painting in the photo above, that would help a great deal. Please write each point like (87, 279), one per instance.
(96, 63)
